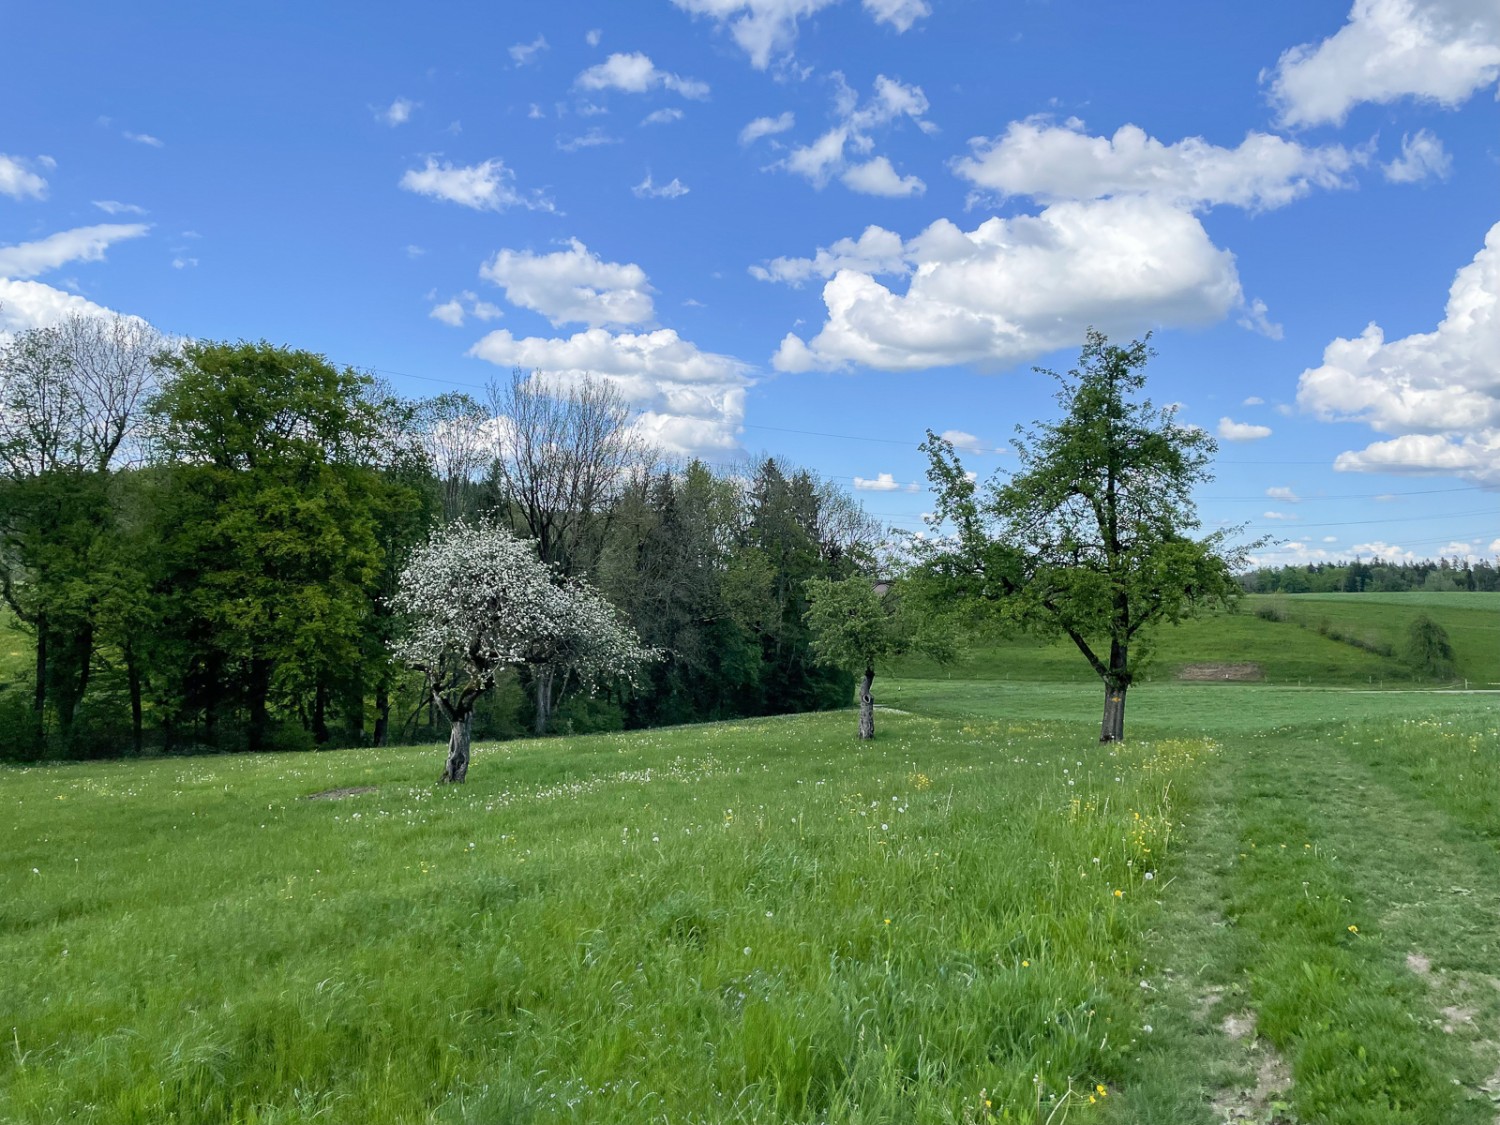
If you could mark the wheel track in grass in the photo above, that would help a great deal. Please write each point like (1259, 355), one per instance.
(1426, 948)
(1448, 914)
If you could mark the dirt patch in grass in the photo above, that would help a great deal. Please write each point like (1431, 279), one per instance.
(340, 794)
(1264, 1102)
(1218, 670)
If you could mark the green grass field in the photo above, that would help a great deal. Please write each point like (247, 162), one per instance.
(1287, 652)
(1273, 903)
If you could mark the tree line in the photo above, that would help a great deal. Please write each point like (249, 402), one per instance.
(1375, 576)
(203, 544)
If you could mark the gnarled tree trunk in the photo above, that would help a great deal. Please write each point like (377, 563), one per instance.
(867, 706)
(457, 767)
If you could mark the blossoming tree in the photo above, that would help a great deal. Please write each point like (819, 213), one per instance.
(476, 600)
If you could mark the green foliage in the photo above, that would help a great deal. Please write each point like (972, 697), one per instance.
(1090, 539)
(269, 527)
(1428, 648)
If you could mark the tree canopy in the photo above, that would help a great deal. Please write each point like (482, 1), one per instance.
(1092, 537)
(476, 600)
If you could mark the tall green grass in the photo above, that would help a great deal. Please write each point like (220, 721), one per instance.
(752, 922)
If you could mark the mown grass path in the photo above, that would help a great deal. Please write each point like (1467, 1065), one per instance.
(1331, 950)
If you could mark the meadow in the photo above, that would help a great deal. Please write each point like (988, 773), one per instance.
(1272, 903)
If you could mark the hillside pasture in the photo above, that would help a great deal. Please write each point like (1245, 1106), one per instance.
(1287, 651)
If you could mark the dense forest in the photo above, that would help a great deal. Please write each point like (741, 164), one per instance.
(1375, 576)
(200, 543)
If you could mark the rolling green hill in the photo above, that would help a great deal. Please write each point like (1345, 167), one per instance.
(1287, 651)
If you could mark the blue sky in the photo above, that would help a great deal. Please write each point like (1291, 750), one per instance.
(818, 227)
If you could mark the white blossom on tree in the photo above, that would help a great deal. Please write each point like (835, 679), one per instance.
(477, 600)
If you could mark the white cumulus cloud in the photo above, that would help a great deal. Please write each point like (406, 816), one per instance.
(1050, 162)
(1280, 492)
(1435, 50)
(489, 186)
(20, 179)
(879, 177)
(573, 285)
(828, 155)
(454, 310)
(1438, 392)
(1422, 158)
(962, 439)
(876, 251)
(635, 73)
(691, 402)
(1015, 288)
(1230, 430)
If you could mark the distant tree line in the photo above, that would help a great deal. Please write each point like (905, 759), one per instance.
(1375, 576)
(201, 544)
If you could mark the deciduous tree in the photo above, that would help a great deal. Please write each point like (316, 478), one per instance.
(1092, 538)
(478, 600)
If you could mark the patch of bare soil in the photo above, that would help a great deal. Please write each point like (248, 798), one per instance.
(340, 794)
(1263, 1102)
(1217, 670)
(1462, 1018)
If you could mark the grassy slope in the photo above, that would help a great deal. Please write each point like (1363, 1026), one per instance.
(746, 922)
(1286, 652)
(691, 925)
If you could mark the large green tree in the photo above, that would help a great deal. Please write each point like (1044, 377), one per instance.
(272, 526)
(1093, 537)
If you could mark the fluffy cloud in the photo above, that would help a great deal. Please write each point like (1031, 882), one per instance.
(30, 304)
(82, 244)
(1230, 430)
(635, 73)
(1438, 392)
(765, 28)
(453, 311)
(1278, 492)
(766, 127)
(878, 177)
(489, 186)
(1438, 50)
(1277, 516)
(818, 162)
(876, 251)
(965, 441)
(1016, 288)
(145, 139)
(1052, 162)
(19, 178)
(646, 189)
(691, 402)
(397, 113)
(1422, 158)
(573, 285)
